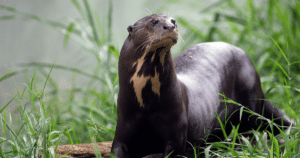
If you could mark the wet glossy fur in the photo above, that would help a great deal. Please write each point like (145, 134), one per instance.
(163, 103)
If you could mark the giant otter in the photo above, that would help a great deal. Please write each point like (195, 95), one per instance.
(163, 103)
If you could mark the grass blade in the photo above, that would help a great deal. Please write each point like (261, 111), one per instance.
(78, 7)
(248, 144)
(68, 135)
(114, 51)
(43, 90)
(213, 27)
(4, 124)
(193, 29)
(214, 5)
(206, 151)
(274, 144)
(270, 15)
(96, 147)
(51, 23)
(14, 134)
(287, 153)
(100, 28)
(297, 148)
(109, 21)
(7, 17)
(31, 83)
(235, 136)
(91, 22)
(8, 74)
(68, 33)
(280, 50)
(63, 68)
(7, 104)
(285, 73)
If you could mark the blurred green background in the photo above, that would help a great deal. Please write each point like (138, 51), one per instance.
(58, 60)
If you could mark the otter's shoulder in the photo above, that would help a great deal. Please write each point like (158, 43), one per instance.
(212, 50)
(217, 48)
(209, 54)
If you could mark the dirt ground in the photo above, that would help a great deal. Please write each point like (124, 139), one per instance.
(86, 150)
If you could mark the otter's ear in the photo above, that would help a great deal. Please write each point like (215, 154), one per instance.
(130, 29)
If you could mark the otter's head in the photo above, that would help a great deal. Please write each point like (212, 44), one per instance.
(145, 58)
(154, 31)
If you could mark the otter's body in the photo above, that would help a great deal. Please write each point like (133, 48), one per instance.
(211, 71)
(163, 103)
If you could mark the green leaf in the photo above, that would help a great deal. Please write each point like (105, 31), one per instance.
(31, 83)
(248, 144)
(7, 8)
(78, 7)
(280, 50)
(220, 145)
(114, 51)
(274, 145)
(91, 22)
(212, 6)
(287, 153)
(117, 77)
(241, 112)
(235, 19)
(100, 28)
(235, 136)
(222, 126)
(285, 73)
(68, 33)
(51, 23)
(15, 135)
(297, 148)
(7, 104)
(193, 29)
(96, 147)
(4, 126)
(67, 134)
(8, 74)
(169, 154)
(37, 64)
(110, 11)
(43, 90)
(206, 151)
(7, 17)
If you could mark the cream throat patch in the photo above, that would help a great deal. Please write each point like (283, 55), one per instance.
(148, 68)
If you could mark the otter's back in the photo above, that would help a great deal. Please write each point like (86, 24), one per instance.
(202, 69)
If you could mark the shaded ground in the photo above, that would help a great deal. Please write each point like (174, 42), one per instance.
(86, 150)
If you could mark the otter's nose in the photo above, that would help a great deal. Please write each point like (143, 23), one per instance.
(170, 24)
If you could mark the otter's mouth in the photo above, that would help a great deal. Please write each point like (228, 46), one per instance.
(173, 37)
(169, 39)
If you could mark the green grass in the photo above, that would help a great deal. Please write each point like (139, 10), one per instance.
(47, 115)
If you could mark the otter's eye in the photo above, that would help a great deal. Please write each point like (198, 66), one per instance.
(154, 22)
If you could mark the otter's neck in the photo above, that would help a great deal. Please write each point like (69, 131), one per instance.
(150, 72)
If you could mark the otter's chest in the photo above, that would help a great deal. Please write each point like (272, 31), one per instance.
(147, 77)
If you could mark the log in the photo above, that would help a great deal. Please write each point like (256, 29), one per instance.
(86, 150)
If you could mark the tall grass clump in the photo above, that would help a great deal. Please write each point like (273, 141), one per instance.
(47, 114)
(26, 133)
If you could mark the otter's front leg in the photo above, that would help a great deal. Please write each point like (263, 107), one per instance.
(123, 136)
(174, 133)
(120, 150)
